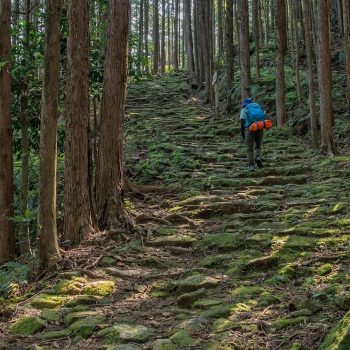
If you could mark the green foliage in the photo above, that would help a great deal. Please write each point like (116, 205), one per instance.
(12, 275)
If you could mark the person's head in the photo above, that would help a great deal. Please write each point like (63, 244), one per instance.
(246, 102)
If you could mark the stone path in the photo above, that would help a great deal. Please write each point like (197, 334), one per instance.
(231, 261)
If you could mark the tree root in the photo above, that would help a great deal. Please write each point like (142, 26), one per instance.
(132, 187)
(144, 218)
(180, 219)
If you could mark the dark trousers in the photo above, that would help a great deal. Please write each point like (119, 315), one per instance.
(253, 140)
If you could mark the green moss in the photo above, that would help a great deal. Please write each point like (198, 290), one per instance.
(46, 301)
(339, 337)
(125, 332)
(324, 269)
(183, 339)
(287, 322)
(164, 344)
(55, 334)
(220, 311)
(220, 260)
(247, 291)
(100, 288)
(186, 300)
(222, 325)
(207, 303)
(195, 282)
(75, 316)
(71, 287)
(27, 326)
(296, 346)
(267, 299)
(85, 327)
(222, 241)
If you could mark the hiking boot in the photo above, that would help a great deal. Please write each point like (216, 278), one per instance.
(251, 168)
(258, 162)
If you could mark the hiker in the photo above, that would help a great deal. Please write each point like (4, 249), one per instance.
(252, 135)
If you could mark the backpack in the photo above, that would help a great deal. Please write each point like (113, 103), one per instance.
(255, 113)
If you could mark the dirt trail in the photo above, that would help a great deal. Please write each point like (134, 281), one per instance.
(231, 260)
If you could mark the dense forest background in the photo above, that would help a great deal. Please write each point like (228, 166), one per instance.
(70, 150)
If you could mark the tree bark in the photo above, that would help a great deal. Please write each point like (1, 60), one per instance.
(156, 37)
(346, 15)
(309, 53)
(7, 236)
(188, 37)
(77, 219)
(325, 77)
(256, 33)
(109, 172)
(147, 68)
(140, 44)
(163, 49)
(229, 53)
(176, 36)
(48, 243)
(281, 45)
(244, 50)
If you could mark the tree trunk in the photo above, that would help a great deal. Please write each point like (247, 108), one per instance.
(48, 243)
(176, 36)
(309, 53)
(256, 33)
(24, 229)
(156, 37)
(325, 77)
(188, 37)
(7, 236)
(297, 51)
(109, 172)
(140, 44)
(146, 35)
(346, 15)
(229, 53)
(220, 28)
(281, 45)
(163, 51)
(76, 186)
(244, 50)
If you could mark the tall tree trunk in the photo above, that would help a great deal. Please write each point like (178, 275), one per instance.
(24, 229)
(256, 33)
(176, 36)
(229, 53)
(140, 44)
(163, 49)
(156, 37)
(48, 243)
(146, 35)
(325, 77)
(244, 50)
(169, 37)
(77, 219)
(188, 37)
(220, 28)
(297, 51)
(109, 172)
(267, 22)
(346, 15)
(281, 46)
(7, 236)
(196, 43)
(309, 52)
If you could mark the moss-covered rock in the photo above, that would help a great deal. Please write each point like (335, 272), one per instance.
(164, 344)
(193, 325)
(49, 335)
(85, 327)
(47, 301)
(324, 269)
(339, 337)
(195, 282)
(264, 262)
(53, 315)
(219, 260)
(175, 240)
(183, 339)
(223, 324)
(82, 300)
(100, 288)
(223, 241)
(71, 287)
(267, 298)
(75, 316)
(125, 347)
(207, 303)
(125, 332)
(186, 300)
(220, 311)
(27, 326)
(288, 322)
(343, 301)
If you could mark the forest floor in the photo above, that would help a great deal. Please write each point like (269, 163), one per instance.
(232, 260)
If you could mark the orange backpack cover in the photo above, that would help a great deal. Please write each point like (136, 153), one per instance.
(267, 124)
